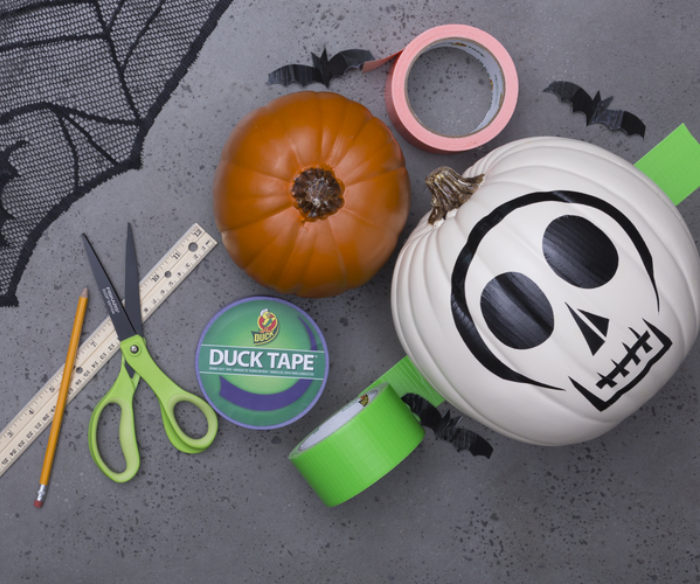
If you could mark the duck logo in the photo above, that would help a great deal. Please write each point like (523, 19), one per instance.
(268, 327)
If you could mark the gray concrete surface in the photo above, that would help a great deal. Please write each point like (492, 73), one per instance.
(622, 508)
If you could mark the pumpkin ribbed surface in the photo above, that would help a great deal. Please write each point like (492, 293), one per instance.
(311, 194)
(557, 299)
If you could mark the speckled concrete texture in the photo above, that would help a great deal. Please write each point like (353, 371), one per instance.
(621, 508)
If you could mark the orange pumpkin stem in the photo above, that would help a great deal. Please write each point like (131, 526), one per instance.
(317, 193)
(449, 190)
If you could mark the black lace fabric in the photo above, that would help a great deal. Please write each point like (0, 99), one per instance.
(81, 82)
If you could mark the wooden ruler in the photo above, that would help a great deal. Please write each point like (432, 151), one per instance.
(102, 344)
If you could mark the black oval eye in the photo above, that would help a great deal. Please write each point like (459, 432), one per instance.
(517, 311)
(579, 252)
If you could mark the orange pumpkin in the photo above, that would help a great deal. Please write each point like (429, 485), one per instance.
(311, 194)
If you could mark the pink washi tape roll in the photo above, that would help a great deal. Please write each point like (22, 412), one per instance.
(476, 43)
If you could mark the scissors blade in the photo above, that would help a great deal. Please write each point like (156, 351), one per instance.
(121, 321)
(132, 294)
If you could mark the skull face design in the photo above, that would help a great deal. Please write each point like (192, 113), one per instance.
(570, 302)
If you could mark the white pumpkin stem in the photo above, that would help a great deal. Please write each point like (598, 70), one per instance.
(449, 190)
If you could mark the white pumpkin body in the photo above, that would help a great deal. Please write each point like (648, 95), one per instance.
(555, 301)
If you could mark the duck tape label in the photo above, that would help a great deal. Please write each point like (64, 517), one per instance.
(477, 44)
(262, 362)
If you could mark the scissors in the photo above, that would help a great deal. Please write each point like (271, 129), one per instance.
(138, 364)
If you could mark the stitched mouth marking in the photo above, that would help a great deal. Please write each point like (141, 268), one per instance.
(642, 342)
(642, 349)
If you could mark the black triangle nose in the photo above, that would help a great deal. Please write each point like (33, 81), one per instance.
(595, 332)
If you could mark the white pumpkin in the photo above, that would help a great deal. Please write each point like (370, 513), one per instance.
(555, 301)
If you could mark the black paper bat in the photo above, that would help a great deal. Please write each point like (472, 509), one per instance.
(81, 83)
(323, 69)
(445, 427)
(596, 109)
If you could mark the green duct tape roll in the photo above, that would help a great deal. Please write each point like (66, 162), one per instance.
(358, 445)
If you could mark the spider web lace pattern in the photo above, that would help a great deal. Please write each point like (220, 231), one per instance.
(81, 83)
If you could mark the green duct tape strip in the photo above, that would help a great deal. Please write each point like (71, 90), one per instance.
(405, 378)
(358, 445)
(674, 164)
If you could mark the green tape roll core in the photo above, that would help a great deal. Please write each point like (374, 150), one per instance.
(361, 451)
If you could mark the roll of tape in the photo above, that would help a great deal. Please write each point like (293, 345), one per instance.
(262, 362)
(358, 445)
(476, 43)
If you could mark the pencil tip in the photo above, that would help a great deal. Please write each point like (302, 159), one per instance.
(84, 293)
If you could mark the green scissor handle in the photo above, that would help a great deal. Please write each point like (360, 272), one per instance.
(169, 394)
(174, 438)
(121, 394)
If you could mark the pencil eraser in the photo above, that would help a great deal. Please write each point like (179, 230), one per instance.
(38, 503)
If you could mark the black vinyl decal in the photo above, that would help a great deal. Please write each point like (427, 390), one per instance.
(445, 426)
(579, 252)
(620, 371)
(596, 109)
(323, 69)
(460, 311)
(594, 340)
(599, 322)
(517, 311)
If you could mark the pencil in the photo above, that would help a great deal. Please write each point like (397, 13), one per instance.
(61, 400)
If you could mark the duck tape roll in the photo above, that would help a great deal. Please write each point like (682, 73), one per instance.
(366, 438)
(358, 445)
(262, 362)
(478, 44)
